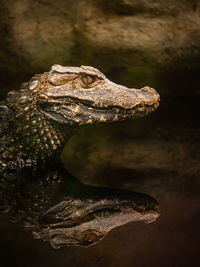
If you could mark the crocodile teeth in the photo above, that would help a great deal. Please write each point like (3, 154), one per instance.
(156, 105)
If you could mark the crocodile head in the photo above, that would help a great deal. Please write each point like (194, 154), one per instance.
(48, 109)
(82, 95)
(84, 222)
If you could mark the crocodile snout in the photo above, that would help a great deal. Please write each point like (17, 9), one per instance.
(148, 95)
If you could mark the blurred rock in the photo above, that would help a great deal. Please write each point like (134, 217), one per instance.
(133, 42)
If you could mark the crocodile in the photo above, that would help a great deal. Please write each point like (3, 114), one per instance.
(36, 123)
(37, 120)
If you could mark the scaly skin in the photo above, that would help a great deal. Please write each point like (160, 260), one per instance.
(38, 120)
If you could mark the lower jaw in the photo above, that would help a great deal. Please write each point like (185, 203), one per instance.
(129, 114)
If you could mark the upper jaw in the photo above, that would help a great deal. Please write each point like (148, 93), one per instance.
(105, 102)
(116, 97)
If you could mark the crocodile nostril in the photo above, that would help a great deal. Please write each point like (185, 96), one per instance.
(148, 90)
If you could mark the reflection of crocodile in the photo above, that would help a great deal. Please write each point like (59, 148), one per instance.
(38, 120)
(70, 213)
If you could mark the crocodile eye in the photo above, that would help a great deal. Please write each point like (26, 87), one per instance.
(87, 80)
(90, 237)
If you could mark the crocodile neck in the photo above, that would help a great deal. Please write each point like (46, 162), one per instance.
(31, 138)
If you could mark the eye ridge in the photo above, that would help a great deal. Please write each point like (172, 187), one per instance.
(88, 80)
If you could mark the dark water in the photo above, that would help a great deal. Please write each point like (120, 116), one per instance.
(158, 156)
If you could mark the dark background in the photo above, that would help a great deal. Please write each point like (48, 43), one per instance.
(135, 43)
